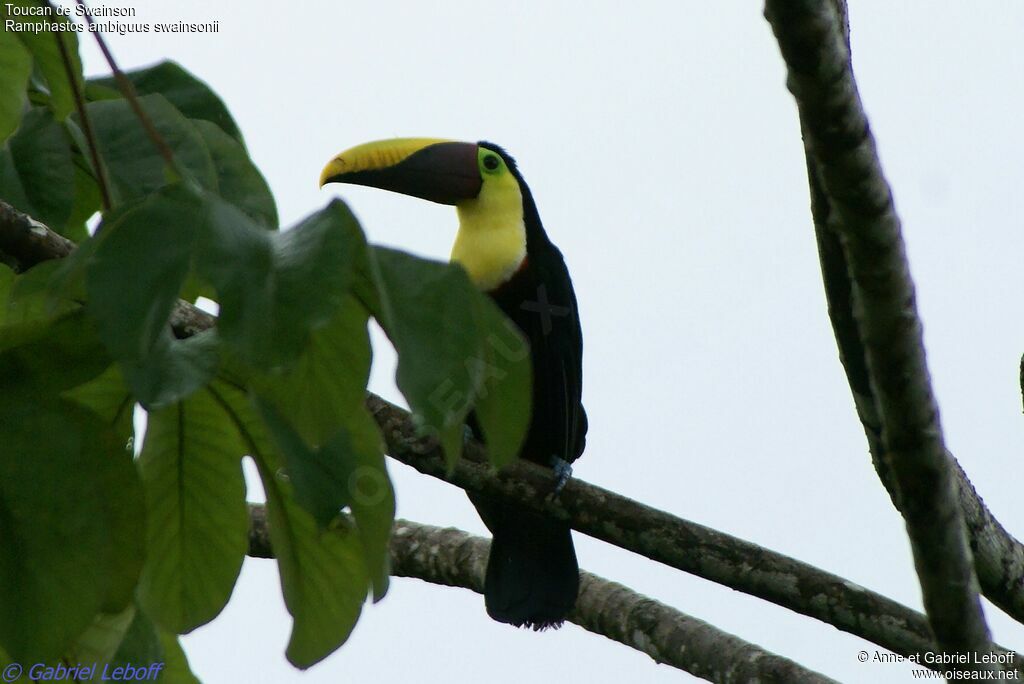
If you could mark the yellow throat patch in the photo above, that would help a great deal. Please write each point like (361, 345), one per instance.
(491, 242)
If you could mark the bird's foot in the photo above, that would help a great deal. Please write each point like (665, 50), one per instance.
(563, 471)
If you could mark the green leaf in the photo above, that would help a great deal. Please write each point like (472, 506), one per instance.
(323, 576)
(52, 356)
(174, 368)
(15, 69)
(70, 517)
(193, 98)
(456, 349)
(176, 668)
(109, 398)
(432, 314)
(101, 640)
(67, 282)
(321, 402)
(191, 469)
(275, 288)
(134, 166)
(371, 497)
(502, 405)
(86, 202)
(347, 470)
(44, 48)
(328, 381)
(102, 89)
(136, 271)
(317, 474)
(141, 645)
(36, 169)
(128, 647)
(238, 179)
(196, 287)
(138, 267)
(30, 298)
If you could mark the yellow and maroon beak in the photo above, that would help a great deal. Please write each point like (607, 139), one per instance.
(441, 171)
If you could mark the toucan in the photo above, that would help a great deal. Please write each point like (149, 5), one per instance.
(532, 576)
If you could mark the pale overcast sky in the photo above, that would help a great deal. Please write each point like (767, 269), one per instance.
(663, 150)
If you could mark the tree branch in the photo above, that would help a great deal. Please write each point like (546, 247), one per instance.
(662, 537)
(454, 558)
(25, 242)
(597, 512)
(998, 556)
(860, 209)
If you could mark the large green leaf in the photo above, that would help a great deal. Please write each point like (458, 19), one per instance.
(86, 202)
(317, 474)
(109, 398)
(128, 647)
(44, 48)
(451, 342)
(141, 259)
(101, 640)
(199, 523)
(36, 170)
(71, 519)
(31, 300)
(192, 97)
(331, 445)
(137, 268)
(134, 166)
(371, 497)
(15, 69)
(323, 574)
(176, 668)
(52, 356)
(323, 577)
(328, 381)
(502, 404)
(238, 179)
(275, 288)
(429, 311)
(140, 646)
(174, 368)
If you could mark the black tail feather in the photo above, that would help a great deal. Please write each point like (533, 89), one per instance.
(532, 574)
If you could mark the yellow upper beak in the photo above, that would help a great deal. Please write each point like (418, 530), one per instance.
(434, 169)
(373, 156)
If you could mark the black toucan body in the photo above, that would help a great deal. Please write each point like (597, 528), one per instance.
(532, 575)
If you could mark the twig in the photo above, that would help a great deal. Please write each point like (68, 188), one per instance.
(454, 558)
(128, 89)
(839, 141)
(83, 114)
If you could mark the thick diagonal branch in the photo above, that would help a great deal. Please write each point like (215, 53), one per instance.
(843, 159)
(454, 558)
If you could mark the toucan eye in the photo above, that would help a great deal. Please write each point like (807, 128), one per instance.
(491, 162)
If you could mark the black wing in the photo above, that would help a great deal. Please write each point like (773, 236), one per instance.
(540, 300)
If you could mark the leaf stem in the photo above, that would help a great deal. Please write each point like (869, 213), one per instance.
(128, 89)
(83, 114)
